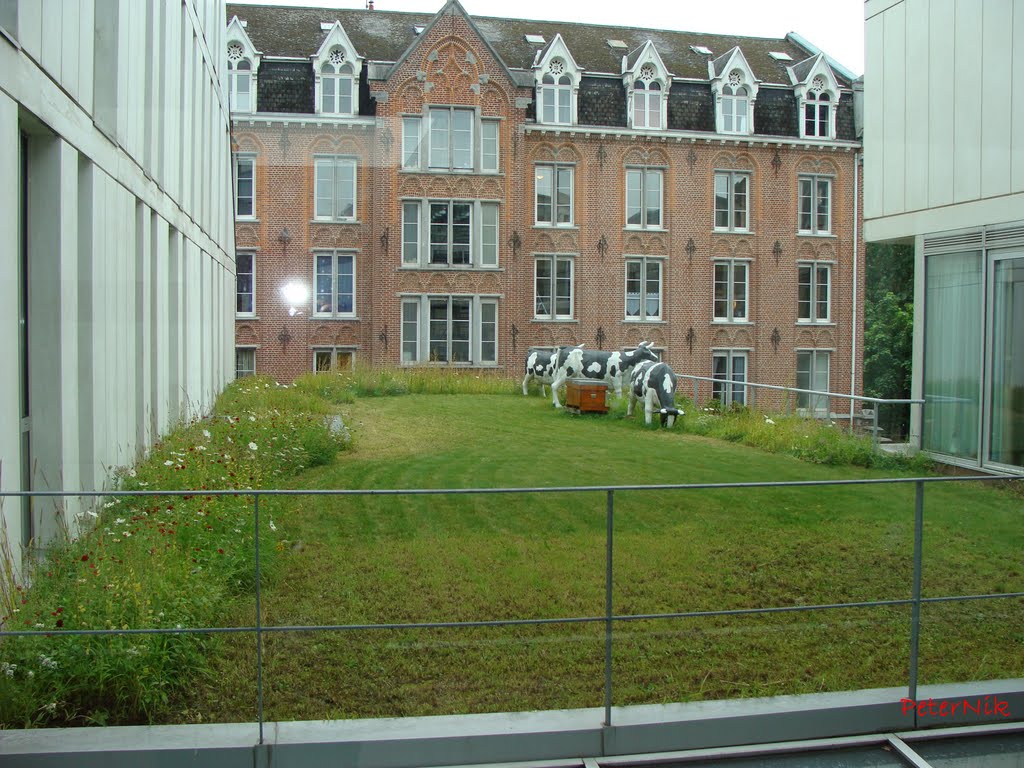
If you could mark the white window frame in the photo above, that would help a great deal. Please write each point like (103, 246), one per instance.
(248, 158)
(433, 150)
(647, 99)
(419, 338)
(484, 234)
(814, 309)
(643, 312)
(551, 283)
(728, 301)
(338, 196)
(236, 75)
(334, 293)
(646, 177)
(730, 394)
(806, 376)
(732, 198)
(442, 141)
(736, 109)
(816, 114)
(555, 171)
(244, 351)
(251, 293)
(554, 100)
(490, 145)
(817, 222)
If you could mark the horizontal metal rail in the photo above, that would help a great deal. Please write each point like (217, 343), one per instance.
(608, 619)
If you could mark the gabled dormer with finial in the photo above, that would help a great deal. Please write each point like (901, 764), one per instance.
(336, 68)
(817, 93)
(735, 90)
(243, 67)
(557, 77)
(647, 84)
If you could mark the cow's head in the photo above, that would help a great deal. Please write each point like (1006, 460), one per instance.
(642, 352)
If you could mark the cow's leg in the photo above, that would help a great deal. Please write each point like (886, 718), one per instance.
(526, 380)
(649, 404)
(558, 382)
(543, 390)
(631, 402)
(617, 383)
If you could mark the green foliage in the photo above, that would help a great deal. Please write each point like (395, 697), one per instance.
(889, 330)
(147, 562)
(812, 440)
(369, 381)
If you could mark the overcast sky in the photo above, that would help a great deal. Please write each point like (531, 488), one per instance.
(835, 26)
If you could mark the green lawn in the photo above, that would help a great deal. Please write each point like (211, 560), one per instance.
(349, 560)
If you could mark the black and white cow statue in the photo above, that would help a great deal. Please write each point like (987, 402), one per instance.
(655, 384)
(576, 363)
(541, 365)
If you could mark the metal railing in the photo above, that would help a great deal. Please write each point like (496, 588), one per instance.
(877, 401)
(608, 619)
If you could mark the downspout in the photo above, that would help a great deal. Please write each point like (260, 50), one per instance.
(853, 325)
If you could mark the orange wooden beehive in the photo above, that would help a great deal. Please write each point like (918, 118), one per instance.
(586, 396)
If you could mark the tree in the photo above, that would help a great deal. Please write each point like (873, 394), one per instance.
(889, 330)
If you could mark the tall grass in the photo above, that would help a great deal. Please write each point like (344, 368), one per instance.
(152, 562)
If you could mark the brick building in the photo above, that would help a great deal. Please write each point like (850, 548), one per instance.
(441, 189)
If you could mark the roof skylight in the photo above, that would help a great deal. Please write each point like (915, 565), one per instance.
(535, 39)
(780, 56)
(703, 50)
(617, 44)
(326, 26)
(418, 29)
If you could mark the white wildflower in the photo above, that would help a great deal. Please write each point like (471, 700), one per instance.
(119, 521)
(7, 668)
(47, 662)
(206, 434)
(252, 418)
(253, 446)
(110, 504)
(168, 463)
(127, 534)
(272, 526)
(768, 421)
(51, 707)
(132, 473)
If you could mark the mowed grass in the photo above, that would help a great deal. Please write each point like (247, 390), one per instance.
(446, 558)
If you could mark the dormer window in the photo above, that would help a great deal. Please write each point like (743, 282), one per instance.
(239, 80)
(336, 66)
(336, 85)
(647, 100)
(817, 94)
(557, 77)
(735, 89)
(735, 105)
(556, 95)
(243, 63)
(818, 110)
(647, 83)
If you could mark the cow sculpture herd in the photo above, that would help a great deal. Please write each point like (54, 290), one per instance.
(651, 381)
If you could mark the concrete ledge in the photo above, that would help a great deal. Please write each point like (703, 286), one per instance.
(544, 737)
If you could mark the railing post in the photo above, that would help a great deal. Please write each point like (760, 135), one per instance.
(915, 614)
(259, 620)
(696, 393)
(610, 519)
(874, 428)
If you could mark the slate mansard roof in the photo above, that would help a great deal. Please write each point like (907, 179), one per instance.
(384, 37)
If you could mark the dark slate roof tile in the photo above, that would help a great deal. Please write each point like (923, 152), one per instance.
(386, 35)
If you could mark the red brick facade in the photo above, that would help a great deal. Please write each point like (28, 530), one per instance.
(451, 66)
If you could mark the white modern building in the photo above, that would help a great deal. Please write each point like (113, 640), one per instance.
(944, 170)
(116, 239)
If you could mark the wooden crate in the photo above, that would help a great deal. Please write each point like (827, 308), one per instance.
(586, 396)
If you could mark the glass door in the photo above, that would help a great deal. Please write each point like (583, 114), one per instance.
(1006, 349)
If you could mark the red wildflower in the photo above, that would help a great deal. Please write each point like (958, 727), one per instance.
(60, 622)
(85, 558)
(220, 551)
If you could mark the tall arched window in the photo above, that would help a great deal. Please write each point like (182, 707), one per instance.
(735, 105)
(647, 99)
(818, 110)
(239, 80)
(336, 83)
(556, 95)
